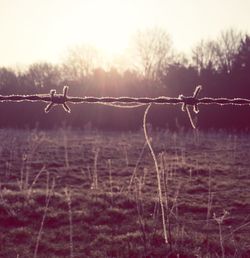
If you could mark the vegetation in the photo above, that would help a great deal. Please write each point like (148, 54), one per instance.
(77, 194)
(81, 192)
(222, 66)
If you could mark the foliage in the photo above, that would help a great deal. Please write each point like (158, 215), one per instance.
(221, 66)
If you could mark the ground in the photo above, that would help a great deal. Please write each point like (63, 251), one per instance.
(73, 193)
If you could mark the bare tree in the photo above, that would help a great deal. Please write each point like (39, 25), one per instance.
(43, 75)
(80, 61)
(227, 48)
(153, 52)
(218, 54)
(204, 55)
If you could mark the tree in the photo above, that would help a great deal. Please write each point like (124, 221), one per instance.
(241, 69)
(227, 48)
(153, 49)
(8, 81)
(43, 75)
(242, 60)
(80, 61)
(217, 54)
(204, 55)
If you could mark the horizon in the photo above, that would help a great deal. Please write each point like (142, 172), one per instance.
(42, 31)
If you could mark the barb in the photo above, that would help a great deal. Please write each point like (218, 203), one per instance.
(58, 99)
(186, 101)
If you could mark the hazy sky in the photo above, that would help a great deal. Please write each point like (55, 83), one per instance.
(41, 30)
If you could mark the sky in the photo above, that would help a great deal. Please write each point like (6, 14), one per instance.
(42, 30)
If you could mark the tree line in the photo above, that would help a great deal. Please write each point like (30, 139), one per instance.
(154, 68)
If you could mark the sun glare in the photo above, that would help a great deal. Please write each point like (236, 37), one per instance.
(35, 31)
(107, 30)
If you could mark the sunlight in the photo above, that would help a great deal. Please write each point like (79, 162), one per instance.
(43, 30)
(107, 30)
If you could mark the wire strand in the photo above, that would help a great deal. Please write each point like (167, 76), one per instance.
(157, 173)
(126, 102)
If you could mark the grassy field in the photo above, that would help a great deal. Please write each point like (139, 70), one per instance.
(69, 193)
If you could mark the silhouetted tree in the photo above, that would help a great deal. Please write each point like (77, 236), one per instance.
(8, 81)
(180, 79)
(227, 47)
(43, 76)
(222, 66)
(242, 59)
(217, 54)
(241, 69)
(204, 55)
(153, 49)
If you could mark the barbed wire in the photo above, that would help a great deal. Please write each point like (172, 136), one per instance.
(132, 102)
(186, 101)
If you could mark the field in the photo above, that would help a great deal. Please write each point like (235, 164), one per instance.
(72, 193)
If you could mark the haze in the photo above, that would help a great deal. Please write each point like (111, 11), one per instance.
(41, 30)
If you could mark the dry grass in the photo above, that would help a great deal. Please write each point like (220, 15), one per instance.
(112, 208)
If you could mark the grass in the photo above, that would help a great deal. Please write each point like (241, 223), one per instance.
(70, 193)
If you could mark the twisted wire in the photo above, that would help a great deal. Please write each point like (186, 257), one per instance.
(158, 100)
(126, 102)
(131, 102)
